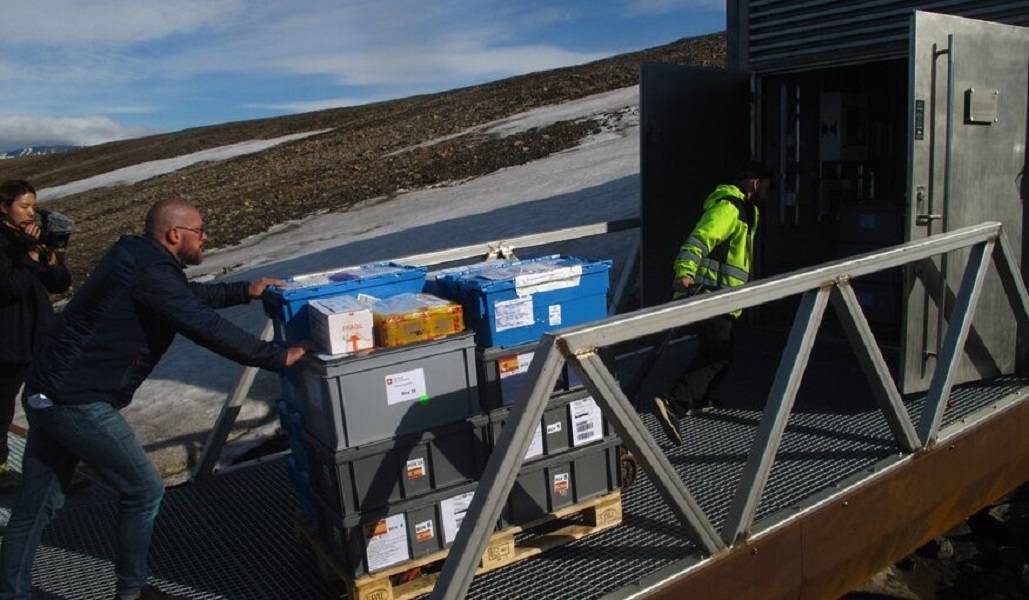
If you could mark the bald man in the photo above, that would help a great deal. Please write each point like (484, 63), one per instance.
(111, 335)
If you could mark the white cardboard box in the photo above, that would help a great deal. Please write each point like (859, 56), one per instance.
(341, 325)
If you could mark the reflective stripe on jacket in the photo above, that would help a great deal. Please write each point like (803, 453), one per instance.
(719, 251)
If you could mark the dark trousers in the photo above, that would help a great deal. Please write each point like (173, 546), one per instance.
(11, 378)
(60, 436)
(709, 366)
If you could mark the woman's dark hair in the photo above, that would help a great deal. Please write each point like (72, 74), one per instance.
(12, 188)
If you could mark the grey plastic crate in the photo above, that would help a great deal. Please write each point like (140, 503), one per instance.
(503, 374)
(366, 477)
(562, 480)
(375, 396)
(569, 421)
(420, 526)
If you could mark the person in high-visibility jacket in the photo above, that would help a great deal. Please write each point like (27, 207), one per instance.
(718, 254)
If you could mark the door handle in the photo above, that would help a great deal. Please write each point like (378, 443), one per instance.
(926, 220)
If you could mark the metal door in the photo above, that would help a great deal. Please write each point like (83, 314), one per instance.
(695, 131)
(966, 140)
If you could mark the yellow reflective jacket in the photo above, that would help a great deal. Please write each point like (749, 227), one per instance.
(720, 249)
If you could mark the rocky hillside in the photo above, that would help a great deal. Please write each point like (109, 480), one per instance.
(372, 151)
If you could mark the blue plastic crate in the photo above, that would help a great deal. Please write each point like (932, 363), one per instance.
(514, 302)
(287, 305)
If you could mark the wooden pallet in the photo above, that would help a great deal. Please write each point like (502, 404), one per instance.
(417, 577)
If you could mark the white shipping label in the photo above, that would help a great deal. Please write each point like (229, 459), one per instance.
(553, 279)
(536, 447)
(405, 387)
(453, 510)
(386, 542)
(423, 532)
(587, 421)
(554, 427)
(555, 314)
(509, 314)
(515, 364)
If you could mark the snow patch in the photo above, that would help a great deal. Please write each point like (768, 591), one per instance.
(136, 173)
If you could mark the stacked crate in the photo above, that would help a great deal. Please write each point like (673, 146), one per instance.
(510, 304)
(288, 308)
(388, 445)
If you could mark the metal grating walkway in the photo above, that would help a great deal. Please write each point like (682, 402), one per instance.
(233, 539)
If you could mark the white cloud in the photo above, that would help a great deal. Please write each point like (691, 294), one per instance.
(109, 22)
(659, 7)
(20, 131)
(429, 64)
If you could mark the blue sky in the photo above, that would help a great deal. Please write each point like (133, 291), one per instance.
(90, 71)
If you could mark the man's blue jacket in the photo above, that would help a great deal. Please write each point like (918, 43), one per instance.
(124, 317)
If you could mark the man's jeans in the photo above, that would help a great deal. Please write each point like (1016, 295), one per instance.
(60, 436)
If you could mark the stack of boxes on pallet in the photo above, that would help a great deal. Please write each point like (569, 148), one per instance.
(392, 427)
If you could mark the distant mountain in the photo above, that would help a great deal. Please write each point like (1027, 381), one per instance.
(36, 151)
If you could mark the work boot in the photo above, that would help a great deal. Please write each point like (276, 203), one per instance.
(668, 417)
(9, 480)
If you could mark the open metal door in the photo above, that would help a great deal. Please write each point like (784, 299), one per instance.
(967, 139)
(695, 131)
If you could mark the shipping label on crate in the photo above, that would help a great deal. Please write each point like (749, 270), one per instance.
(516, 364)
(557, 278)
(554, 427)
(587, 421)
(415, 468)
(554, 313)
(562, 481)
(386, 542)
(536, 447)
(509, 314)
(454, 510)
(406, 387)
(423, 532)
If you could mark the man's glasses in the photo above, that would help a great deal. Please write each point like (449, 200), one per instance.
(197, 230)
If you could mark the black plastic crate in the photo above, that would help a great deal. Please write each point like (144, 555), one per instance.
(369, 542)
(563, 480)
(503, 375)
(570, 420)
(383, 473)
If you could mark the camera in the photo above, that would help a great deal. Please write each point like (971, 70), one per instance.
(54, 229)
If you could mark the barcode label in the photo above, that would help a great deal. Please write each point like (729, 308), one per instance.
(587, 421)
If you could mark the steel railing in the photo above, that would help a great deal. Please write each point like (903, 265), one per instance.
(818, 286)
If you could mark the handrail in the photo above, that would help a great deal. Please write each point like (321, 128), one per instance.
(818, 286)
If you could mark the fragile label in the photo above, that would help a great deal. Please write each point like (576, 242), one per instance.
(509, 314)
(406, 387)
(516, 364)
(554, 427)
(386, 542)
(415, 468)
(454, 510)
(561, 483)
(423, 531)
(536, 447)
(555, 314)
(587, 421)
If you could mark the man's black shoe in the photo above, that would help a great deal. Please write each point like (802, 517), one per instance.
(668, 418)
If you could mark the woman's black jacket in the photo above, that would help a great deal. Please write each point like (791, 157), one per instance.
(25, 309)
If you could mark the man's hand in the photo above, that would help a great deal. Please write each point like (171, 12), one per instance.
(295, 353)
(683, 284)
(257, 287)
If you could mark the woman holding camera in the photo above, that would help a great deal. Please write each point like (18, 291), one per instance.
(29, 272)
